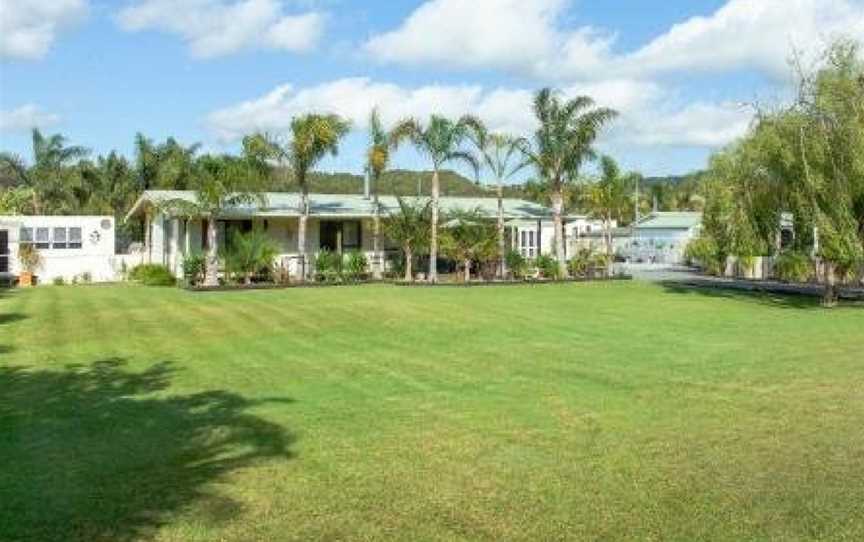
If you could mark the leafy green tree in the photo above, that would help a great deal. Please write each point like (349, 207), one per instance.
(409, 227)
(442, 141)
(559, 148)
(609, 200)
(51, 176)
(468, 237)
(167, 166)
(499, 154)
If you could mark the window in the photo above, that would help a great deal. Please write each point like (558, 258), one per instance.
(43, 238)
(25, 236)
(350, 235)
(526, 243)
(59, 238)
(74, 237)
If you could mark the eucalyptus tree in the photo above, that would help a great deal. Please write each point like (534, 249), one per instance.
(562, 143)
(609, 200)
(442, 141)
(381, 145)
(312, 137)
(409, 228)
(499, 154)
(50, 177)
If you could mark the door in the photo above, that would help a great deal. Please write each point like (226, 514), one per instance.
(330, 233)
(4, 251)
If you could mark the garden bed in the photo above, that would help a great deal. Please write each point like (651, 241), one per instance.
(507, 282)
(275, 286)
(849, 293)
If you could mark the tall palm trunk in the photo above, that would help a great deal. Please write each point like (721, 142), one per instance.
(557, 237)
(608, 228)
(409, 274)
(211, 269)
(502, 249)
(378, 259)
(831, 295)
(301, 231)
(433, 237)
(467, 271)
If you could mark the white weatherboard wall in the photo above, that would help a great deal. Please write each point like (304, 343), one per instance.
(94, 256)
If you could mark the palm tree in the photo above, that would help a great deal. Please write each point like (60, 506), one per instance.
(47, 177)
(409, 227)
(381, 144)
(469, 237)
(441, 141)
(498, 151)
(609, 200)
(313, 137)
(167, 165)
(560, 146)
(221, 182)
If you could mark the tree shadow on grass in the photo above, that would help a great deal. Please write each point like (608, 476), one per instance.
(786, 301)
(90, 452)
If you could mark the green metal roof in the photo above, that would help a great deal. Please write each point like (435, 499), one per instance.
(282, 204)
(671, 221)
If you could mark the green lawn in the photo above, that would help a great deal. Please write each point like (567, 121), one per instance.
(592, 411)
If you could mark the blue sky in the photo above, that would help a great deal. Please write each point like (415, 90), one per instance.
(679, 71)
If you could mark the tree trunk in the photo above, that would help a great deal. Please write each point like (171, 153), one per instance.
(378, 265)
(301, 233)
(433, 235)
(557, 237)
(831, 295)
(467, 271)
(409, 275)
(502, 249)
(211, 269)
(609, 266)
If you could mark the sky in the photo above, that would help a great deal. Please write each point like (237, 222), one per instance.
(683, 74)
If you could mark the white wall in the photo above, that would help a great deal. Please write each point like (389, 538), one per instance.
(95, 256)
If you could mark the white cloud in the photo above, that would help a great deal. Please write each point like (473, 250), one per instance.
(28, 28)
(26, 117)
(698, 124)
(214, 28)
(529, 37)
(750, 34)
(645, 119)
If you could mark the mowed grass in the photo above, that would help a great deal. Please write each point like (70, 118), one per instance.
(566, 412)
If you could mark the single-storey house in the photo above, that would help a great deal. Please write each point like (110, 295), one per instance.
(531, 238)
(662, 237)
(70, 246)
(337, 222)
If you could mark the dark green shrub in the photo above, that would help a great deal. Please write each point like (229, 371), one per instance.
(58, 281)
(354, 266)
(328, 266)
(548, 267)
(793, 266)
(152, 275)
(86, 277)
(250, 255)
(516, 264)
(704, 253)
(194, 266)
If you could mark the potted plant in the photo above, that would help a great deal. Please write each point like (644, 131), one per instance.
(30, 260)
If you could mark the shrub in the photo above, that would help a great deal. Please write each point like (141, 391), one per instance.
(704, 253)
(328, 266)
(58, 281)
(580, 264)
(250, 254)
(792, 266)
(29, 257)
(548, 267)
(354, 265)
(516, 263)
(86, 277)
(152, 275)
(194, 266)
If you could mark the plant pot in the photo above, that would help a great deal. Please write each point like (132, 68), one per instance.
(26, 279)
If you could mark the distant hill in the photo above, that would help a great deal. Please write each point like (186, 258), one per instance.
(403, 183)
